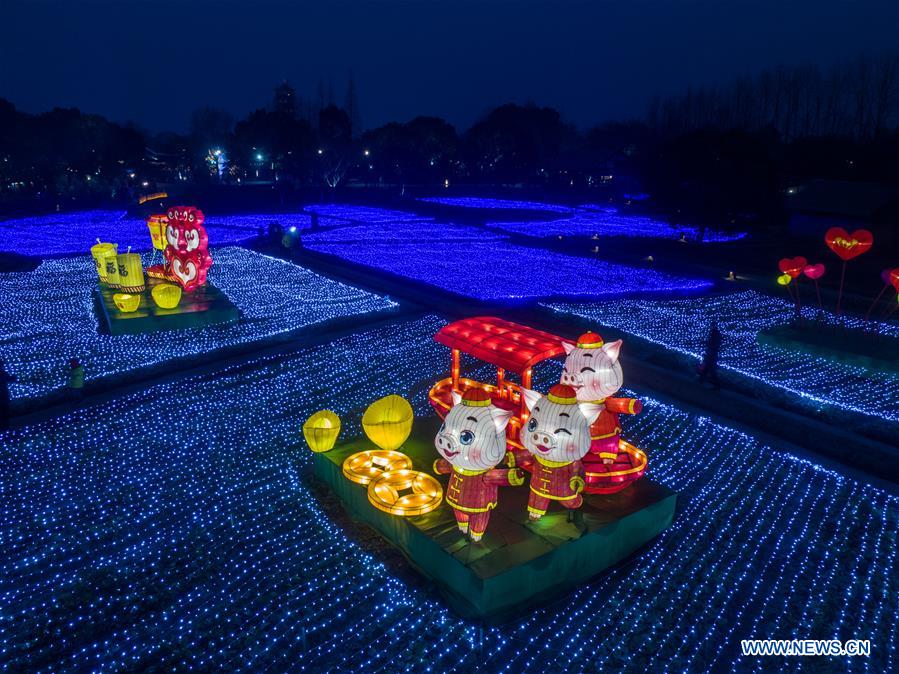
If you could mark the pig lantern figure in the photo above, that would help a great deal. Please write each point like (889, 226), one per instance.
(593, 371)
(557, 436)
(186, 253)
(471, 442)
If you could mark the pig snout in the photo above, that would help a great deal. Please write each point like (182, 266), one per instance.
(572, 379)
(447, 443)
(543, 440)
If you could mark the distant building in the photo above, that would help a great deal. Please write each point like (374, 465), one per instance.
(817, 205)
(285, 101)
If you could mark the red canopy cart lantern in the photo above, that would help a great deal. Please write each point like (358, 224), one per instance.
(516, 349)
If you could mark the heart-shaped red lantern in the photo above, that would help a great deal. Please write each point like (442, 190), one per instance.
(814, 271)
(846, 245)
(792, 266)
(894, 278)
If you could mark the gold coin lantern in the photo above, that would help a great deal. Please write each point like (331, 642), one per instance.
(423, 493)
(387, 422)
(321, 431)
(363, 467)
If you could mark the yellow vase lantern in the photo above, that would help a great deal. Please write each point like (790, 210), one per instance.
(111, 260)
(131, 272)
(100, 251)
(156, 224)
(321, 431)
(387, 422)
(126, 302)
(166, 295)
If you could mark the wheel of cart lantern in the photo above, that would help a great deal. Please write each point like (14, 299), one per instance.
(363, 467)
(423, 493)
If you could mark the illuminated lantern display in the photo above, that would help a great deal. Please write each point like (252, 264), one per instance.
(111, 261)
(424, 493)
(847, 246)
(363, 467)
(131, 272)
(792, 266)
(814, 271)
(157, 224)
(511, 347)
(99, 251)
(166, 295)
(557, 436)
(186, 254)
(592, 369)
(388, 421)
(126, 302)
(784, 279)
(471, 442)
(321, 430)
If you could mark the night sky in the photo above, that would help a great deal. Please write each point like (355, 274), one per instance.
(154, 62)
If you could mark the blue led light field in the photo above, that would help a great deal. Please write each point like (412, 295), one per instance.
(585, 220)
(500, 270)
(682, 326)
(175, 528)
(47, 317)
(75, 233)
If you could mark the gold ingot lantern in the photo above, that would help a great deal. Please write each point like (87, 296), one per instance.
(166, 295)
(363, 467)
(126, 302)
(131, 272)
(321, 431)
(424, 493)
(387, 422)
(99, 252)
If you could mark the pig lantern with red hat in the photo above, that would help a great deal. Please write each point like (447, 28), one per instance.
(593, 371)
(471, 442)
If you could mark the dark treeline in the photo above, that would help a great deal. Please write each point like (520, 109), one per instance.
(720, 155)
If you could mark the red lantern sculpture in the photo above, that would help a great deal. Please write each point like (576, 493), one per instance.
(471, 442)
(186, 254)
(792, 266)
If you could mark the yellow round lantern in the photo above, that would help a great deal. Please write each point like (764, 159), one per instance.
(156, 224)
(784, 279)
(99, 251)
(363, 467)
(166, 295)
(126, 302)
(387, 422)
(424, 493)
(131, 272)
(321, 431)
(111, 261)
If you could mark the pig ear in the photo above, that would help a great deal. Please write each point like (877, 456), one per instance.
(569, 347)
(500, 418)
(457, 397)
(531, 398)
(590, 411)
(612, 349)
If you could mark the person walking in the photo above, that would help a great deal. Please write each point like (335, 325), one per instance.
(76, 379)
(5, 378)
(708, 369)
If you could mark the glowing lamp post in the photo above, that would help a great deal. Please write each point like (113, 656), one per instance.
(321, 431)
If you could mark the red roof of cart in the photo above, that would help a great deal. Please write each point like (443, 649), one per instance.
(505, 344)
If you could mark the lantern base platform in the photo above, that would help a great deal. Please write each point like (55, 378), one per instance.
(204, 306)
(846, 345)
(518, 563)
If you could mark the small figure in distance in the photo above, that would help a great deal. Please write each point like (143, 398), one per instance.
(75, 383)
(708, 368)
(5, 378)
